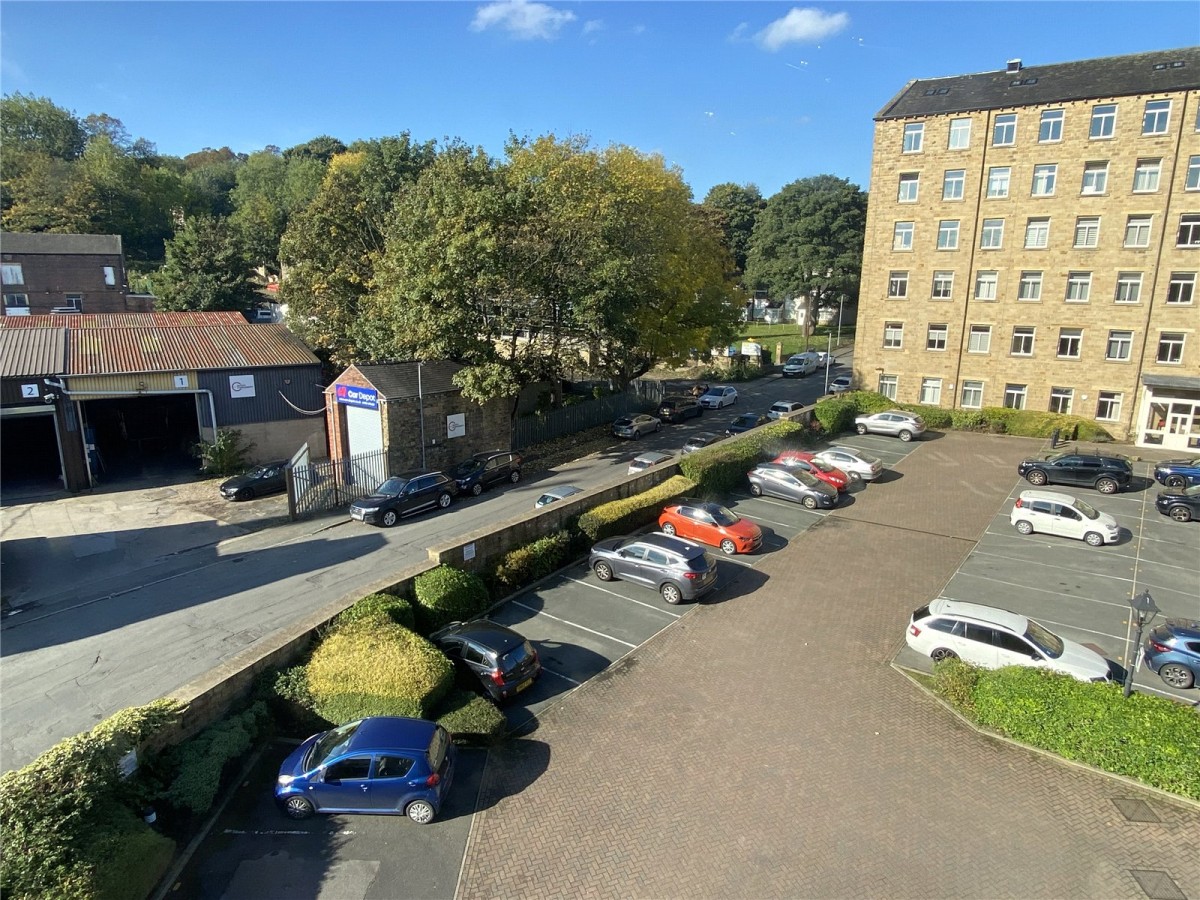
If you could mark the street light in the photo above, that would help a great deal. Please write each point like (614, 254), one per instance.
(841, 303)
(1143, 607)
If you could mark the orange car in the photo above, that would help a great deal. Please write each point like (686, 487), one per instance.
(711, 523)
(806, 462)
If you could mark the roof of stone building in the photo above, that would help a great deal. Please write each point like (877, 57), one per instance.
(405, 380)
(44, 242)
(1017, 85)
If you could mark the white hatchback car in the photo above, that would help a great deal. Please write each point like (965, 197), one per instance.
(781, 408)
(858, 465)
(1047, 512)
(719, 396)
(648, 460)
(840, 385)
(993, 638)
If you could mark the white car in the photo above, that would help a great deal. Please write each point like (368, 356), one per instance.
(822, 358)
(781, 408)
(840, 385)
(894, 422)
(648, 460)
(993, 638)
(800, 365)
(719, 396)
(554, 494)
(1049, 513)
(858, 465)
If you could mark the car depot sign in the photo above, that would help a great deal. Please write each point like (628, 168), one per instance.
(362, 397)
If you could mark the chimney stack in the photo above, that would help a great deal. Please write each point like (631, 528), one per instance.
(1014, 65)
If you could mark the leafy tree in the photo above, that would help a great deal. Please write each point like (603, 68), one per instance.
(29, 123)
(35, 189)
(103, 125)
(207, 268)
(323, 149)
(737, 209)
(810, 238)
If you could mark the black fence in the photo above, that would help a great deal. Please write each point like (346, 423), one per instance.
(327, 484)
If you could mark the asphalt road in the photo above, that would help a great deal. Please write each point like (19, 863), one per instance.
(112, 638)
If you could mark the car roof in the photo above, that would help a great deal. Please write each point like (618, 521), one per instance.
(1051, 496)
(668, 542)
(944, 606)
(392, 733)
(1185, 628)
(490, 634)
(651, 456)
(565, 490)
(415, 473)
(702, 436)
(488, 454)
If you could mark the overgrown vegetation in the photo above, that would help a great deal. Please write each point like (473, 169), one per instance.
(532, 562)
(227, 455)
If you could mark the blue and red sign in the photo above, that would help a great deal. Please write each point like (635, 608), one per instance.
(363, 398)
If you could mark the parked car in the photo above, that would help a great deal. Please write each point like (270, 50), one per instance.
(485, 470)
(403, 495)
(1177, 473)
(635, 426)
(1106, 473)
(1049, 513)
(993, 638)
(841, 384)
(892, 422)
(387, 765)
(805, 461)
(801, 364)
(699, 441)
(823, 358)
(781, 408)
(679, 409)
(259, 481)
(719, 396)
(745, 422)
(786, 483)
(644, 461)
(1173, 651)
(502, 661)
(554, 494)
(678, 569)
(858, 465)
(711, 523)
(1181, 504)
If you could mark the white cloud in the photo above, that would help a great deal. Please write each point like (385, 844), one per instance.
(523, 20)
(801, 26)
(593, 25)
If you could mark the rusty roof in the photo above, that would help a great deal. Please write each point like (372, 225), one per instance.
(125, 320)
(32, 351)
(113, 351)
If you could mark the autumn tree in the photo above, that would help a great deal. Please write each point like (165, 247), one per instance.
(207, 268)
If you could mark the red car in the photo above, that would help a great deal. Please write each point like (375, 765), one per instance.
(711, 523)
(807, 462)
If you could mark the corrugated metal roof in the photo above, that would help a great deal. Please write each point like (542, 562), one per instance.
(125, 320)
(105, 351)
(44, 242)
(33, 351)
(1110, 76)
(398, 381)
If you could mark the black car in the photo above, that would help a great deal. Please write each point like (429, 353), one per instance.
(485, 470)
(402, 495)
(745, 422)
(1181, 504)
(1106, 473)
(677, 409)
(266, 479)
(503, 661)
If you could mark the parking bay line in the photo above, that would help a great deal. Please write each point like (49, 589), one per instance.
(596, 587)
(1104, 550)
(1034, 562)
(542, 612)
(257, 832)
(1026, 587)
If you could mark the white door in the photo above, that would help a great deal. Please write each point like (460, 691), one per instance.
(364, 429)
(1070, 523)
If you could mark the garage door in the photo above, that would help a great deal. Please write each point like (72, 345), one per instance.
(364, 429)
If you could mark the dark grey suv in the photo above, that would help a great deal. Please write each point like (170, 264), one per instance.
(678, 569)
(402, 495)
(677, 409)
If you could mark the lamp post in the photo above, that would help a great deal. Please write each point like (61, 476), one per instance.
(1143, 607)
(841, 303)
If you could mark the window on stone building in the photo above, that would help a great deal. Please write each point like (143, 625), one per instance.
(1050, 128)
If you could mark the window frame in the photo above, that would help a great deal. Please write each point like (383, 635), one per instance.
(934, 386)
(1062, 399)
(1087, 233)
(1140, 226)
(1129, 288)
(935, 333)
(1072, 340)
(1026, 335)
(948, 228)
(893, 335)
(917, 130)
(1018, 394)
(1191, 179)
(975, 388)
(898, 285)
(1148, 169)
(886, 382)
(1187, 286)
(1046, 176)
(899, 230)
(983, 345)
(1169, 339)
(946, 278)
(1104, 115)
(991, 234)
(1119, 347)
(1004, 126)
(12, 274)
(1032, 278)
(954, 178)
(1189, 227)
(1055, 119)
(1037, 226)
(1079, 284)
(910, 180)
(990, 277)
(1097, 174)
(1160, 116)
(1113, 402)
(995, 180)
(960, 130)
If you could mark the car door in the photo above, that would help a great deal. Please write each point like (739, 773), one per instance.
(1012, 650)
(975, 644)
(1068, 521)
(704, 527)
(344, 786)
(390, 784)
(410, 501)
(1065, 470)
(684, 523)
(495, 470)
(1042, 517)
(627, 562)
(656, 566)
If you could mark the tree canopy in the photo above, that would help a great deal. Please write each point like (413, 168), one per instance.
(207, 268)
(737, 208)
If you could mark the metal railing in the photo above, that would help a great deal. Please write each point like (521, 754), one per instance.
(326, 484)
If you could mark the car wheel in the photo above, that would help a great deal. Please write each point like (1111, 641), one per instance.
(514, 476)
(1180, 513)
(443, 500)
(637, 434)
(942, 653)
(671, 594)
(603, 571)
(1094, 539)
(1174, 481)
(668, 528)
(728, 547)
(389, 518)
(420, 811)
(476, 490)
(246, 493)
(854, 476)
(861, 429)
(755, 490)
(809, 502)
(1177, 676)
(1107, 486)
(1036, 477)
(906, 435)
(657, 427)
(1025, 527)
(298, 807)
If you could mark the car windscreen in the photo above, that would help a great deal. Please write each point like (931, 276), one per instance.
(515, 657)
(723, 516)
(437, 748)
(330, 744)
(715, 392)
(1193, 491)
(392, 486)
(467, 467)
(804, 478)
(1051, 644)
(822, 466)
(624, 420)
(1088, 510)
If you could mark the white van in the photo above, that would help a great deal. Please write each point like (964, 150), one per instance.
(801, 364)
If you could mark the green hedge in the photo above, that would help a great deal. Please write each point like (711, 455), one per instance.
(385, 605)
(1149, 738)
(631, 513)
(722, 468)
(127, 857)
(375, 669)
(61, 804)
(447, 594)
(532, 562)
(471, 718)
(195, 767)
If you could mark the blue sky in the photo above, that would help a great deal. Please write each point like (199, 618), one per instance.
(734, 91)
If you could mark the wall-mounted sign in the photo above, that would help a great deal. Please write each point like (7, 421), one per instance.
(241, 386)
(182, 382)
(29, 392)
(363, 398)
(749, 348)
(456, 425)
(469, 552)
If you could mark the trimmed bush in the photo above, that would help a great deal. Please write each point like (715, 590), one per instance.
(471, 718)
(388, 606)
(527, 564)
(720, 469)
(631, 513)
(376, 669)
(956, 680)
(836, 414)
(198, 765)
(447, 594)
(292, 704)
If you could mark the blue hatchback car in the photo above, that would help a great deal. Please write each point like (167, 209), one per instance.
(387, 765)
(1173, 651)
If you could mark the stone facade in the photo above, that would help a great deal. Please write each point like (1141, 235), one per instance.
(984, 284)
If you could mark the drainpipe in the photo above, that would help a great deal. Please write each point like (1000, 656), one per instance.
(212, 407)
(421, 405)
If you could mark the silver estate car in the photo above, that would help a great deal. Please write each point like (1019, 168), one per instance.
(894, 422)
(774, 480)
(678, 569)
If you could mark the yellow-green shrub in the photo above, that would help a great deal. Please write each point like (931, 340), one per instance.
(631, 513)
